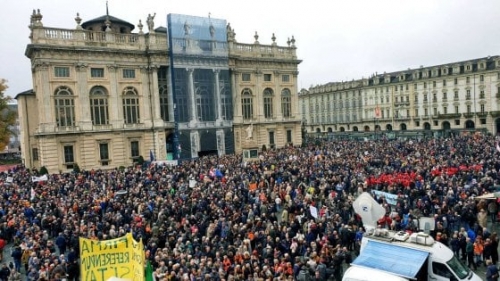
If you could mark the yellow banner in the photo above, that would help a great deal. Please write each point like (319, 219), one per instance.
(122, 257)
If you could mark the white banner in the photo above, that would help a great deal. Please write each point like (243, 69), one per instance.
(36, 179)
(314, 211)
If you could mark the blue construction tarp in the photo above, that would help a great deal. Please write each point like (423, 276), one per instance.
(401, 261)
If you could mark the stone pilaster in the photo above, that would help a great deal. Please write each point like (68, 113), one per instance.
(44, 95)
(218, 101)
(192, 99)
(114, 100)
(85, 120)
(146, 95)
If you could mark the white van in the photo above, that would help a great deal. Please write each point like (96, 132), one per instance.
(356, 273)
(411, 257)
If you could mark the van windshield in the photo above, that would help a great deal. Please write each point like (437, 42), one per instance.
(460, 270)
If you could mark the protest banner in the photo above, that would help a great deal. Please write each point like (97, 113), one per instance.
(122, 257)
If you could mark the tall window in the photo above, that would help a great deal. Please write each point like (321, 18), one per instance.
(225, 95)
(204, 106)
(130, 106)
(134, 150)
(69, 156)
(288, 136)
(104, 153)
(286, 103)
(164, 112)
(482, 108)
(34, 152)
(468, 109)
(247, 104)
(99, 106)
(271, 138)
(268, 103)
(65, 107)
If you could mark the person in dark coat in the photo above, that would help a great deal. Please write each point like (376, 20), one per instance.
(61, 243)
(73, 271)
(4, 273)
(16, 255)
(488, 249)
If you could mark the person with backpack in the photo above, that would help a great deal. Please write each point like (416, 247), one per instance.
(304, 274)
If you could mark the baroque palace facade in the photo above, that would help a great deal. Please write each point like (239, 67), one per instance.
(103, 96)
(432, 100)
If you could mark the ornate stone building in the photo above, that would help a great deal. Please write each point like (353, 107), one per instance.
(265, 88)
(432, 100)
(103, 95)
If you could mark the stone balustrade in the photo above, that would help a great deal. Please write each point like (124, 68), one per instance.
(156, 41)
(80, 37)
(269, 51)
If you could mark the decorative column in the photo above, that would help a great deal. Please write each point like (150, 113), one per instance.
(171, 101)
(218, 101)
(47, 120)
(85, 122)
(114, 100)
(155, 97)
(145, 111)
(194, 117)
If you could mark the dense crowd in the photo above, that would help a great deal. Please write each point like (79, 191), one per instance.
(286, 216)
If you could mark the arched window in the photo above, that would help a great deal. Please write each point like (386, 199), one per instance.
(164, 110)
(65, 107)
(268, 103)
(225, 95)
(130, 99)
(204, 107)
(99, 106)
(247, 104)
(286, 103)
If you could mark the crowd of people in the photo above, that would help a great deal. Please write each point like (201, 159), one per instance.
(285, 216)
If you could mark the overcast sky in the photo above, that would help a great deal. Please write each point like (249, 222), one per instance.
(337, 40)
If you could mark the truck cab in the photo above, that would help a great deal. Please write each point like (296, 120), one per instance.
(415, 256)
